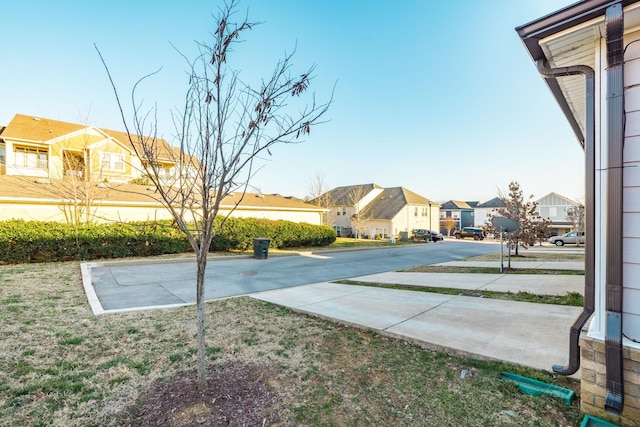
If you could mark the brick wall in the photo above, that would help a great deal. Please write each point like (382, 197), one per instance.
(593, 388)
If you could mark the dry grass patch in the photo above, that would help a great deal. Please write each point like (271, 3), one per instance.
(64, 367)
(530, 255)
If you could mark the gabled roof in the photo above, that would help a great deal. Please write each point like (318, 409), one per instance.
(496, 202)
(567, 37)
(391, 201)
(343, 196)
(555, 199)
(41, 130)
(165, 151)
(16, 188)
(269, 201)
(456, 204)
(37, 129)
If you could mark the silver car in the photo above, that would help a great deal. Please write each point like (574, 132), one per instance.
(571, 237)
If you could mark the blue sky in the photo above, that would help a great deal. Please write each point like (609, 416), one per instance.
(437, 97)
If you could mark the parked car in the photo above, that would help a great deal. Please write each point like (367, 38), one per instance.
(425, 234)
(570, 238)
(476, 233)
(436, 236)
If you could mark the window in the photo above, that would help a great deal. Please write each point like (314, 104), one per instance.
(344, 210)
(424, 211)
(415, 211)
(32, 158)
(112, 161)
(382, 232)
(2, 154)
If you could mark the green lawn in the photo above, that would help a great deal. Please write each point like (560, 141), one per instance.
(62, 366)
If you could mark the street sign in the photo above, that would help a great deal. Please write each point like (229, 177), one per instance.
(504, 224)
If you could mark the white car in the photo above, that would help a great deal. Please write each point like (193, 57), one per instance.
(571, 237)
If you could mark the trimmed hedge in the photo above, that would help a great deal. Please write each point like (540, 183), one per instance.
(37, 241)
(238, 233)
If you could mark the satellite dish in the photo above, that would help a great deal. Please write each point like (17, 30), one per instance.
(506, 224)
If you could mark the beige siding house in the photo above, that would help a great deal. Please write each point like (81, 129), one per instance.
(60, 171)
(369, 210)
(41, 147)
(29, 198)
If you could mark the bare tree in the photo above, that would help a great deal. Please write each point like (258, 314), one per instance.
(77, 189)
(531, 225)
(222, 129)
(360, 215)
(540, 229)
(318, 193)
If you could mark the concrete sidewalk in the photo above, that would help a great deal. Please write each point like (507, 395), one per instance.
(534, 335)
(544, 265)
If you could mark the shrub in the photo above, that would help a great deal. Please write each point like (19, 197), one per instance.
(39, 241)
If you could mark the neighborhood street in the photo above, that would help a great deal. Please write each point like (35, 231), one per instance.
(122, 286)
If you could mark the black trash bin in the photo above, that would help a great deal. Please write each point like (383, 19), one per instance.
(261, 247)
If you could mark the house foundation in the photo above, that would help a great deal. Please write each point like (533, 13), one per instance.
(593, 387)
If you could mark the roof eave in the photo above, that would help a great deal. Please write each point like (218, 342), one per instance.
(563, 19)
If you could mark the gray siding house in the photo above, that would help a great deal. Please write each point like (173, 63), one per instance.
(589, 57)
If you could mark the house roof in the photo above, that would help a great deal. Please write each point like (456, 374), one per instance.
(456, 204)
(41, 130)
(496, 202)
(16, 188)
(391, 201)
(343, 196)
(567, 37)
(555, 199)
(37, 129)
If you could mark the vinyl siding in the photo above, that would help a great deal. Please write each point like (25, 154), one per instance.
(631, 190)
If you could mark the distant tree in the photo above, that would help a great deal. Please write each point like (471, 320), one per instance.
(575, 216)
(76, 190)
(360, 216)
(449, 224)
(531, 225)
(318, 193)
(540, 229)
(223, 127)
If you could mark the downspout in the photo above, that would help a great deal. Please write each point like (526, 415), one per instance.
(590, 168)
(614, 30)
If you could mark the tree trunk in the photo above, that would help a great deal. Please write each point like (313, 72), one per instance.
(202, 358)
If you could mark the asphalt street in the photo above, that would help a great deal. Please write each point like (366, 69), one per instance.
(125, 286)
(529, 334)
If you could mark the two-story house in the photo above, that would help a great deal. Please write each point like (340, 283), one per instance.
(60, 171)
(463, 213)
(369, 210)
(41, 147)
(557, 208)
